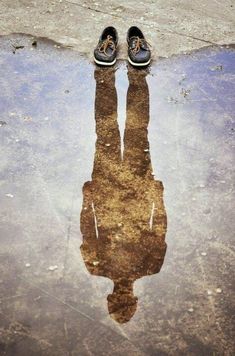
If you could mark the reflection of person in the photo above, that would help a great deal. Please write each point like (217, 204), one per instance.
(123, 219)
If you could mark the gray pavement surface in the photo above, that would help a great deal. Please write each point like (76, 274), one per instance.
(171, 26)
(51, 301)
(53, 291)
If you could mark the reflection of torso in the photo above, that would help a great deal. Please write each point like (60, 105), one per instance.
(127, 202)
(122, 259)
(130, 223)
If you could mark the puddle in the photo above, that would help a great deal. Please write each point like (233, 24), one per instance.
(116, 203)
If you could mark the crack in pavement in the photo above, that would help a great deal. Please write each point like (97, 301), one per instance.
(143, 23)
(122, 334)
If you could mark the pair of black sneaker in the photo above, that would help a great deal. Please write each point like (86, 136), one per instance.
(105, 53)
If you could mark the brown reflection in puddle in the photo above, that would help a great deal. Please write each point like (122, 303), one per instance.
(123, 219)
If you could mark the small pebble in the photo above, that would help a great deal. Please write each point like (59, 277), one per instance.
(52, 268)
(218, 290)
(218, 67)
(191, 310)
(27, 118)
(203, 253)
(107, 144)
(209, 292)
(27, 265)
(95, 263)
(9, 195)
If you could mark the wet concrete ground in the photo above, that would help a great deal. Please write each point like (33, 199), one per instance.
(115, 177)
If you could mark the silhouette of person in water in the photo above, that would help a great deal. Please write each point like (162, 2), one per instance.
(123, 219)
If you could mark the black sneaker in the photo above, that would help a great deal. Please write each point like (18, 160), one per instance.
(105, 53)
(139, 54)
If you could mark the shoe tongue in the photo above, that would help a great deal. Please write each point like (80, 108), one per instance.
(133, 41)
(110, 38)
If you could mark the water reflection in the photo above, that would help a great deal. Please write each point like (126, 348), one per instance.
(123, 219)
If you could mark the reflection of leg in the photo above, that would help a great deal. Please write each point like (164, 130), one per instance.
(136, 154)
(87, 218)
(108, 148)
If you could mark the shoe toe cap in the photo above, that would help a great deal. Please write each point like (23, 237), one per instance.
(140, 57)
(102, 57)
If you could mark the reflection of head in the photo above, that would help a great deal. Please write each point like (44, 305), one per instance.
(122, 303)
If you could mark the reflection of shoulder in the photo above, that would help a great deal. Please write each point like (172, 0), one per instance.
(91, 259)
(155, 258)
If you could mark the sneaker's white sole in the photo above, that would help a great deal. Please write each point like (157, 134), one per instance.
(139, 64)
(105, 63)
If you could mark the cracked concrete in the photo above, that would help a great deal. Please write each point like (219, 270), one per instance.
(171, 26)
